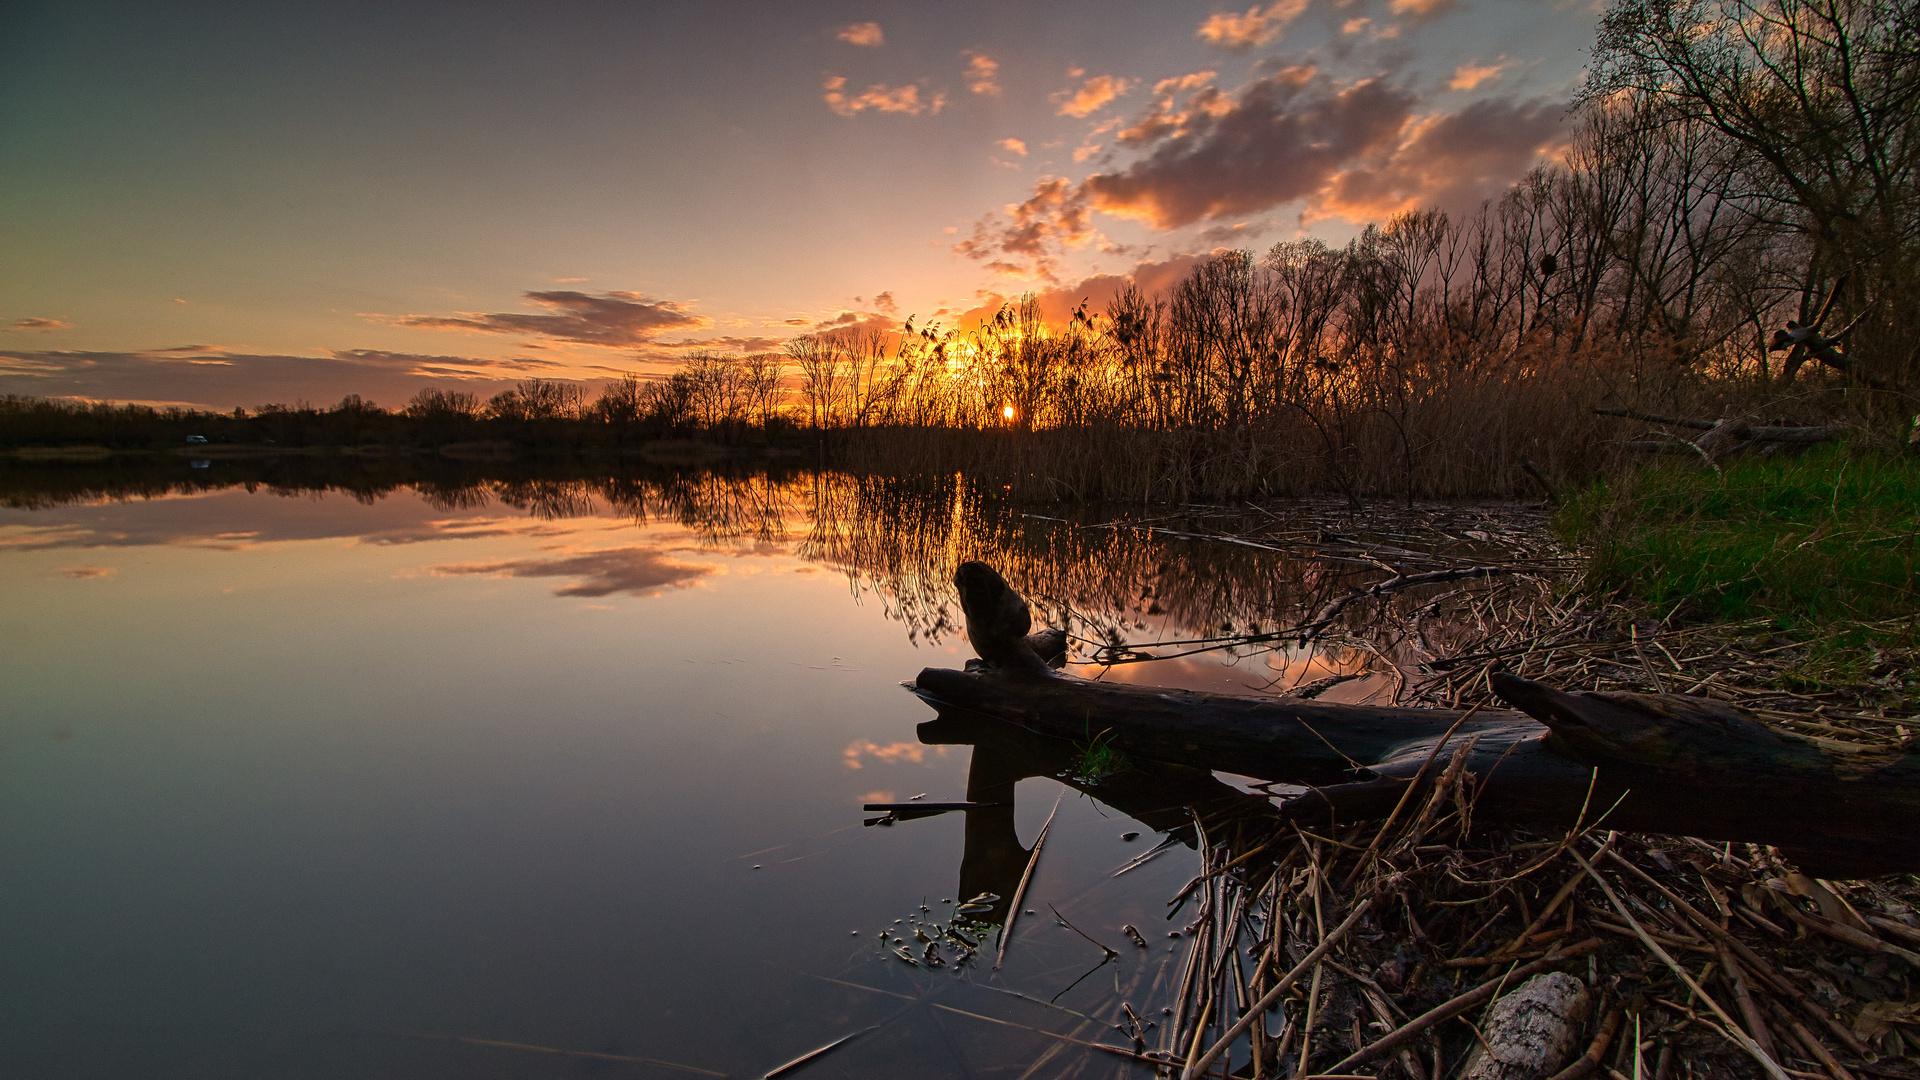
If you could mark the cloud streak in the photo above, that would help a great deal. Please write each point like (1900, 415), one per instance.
(1469, 76)
(216, 379)
(636, 571)
(613, 320)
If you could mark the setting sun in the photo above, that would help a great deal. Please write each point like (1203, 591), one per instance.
(1007, 412)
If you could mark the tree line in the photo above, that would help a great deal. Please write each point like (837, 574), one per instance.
(1734, 227)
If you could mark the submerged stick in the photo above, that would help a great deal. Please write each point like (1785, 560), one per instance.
(1063, 922)
(591, 1055)
(811, 1055)
(1121, 1050)
(1020, 893)
(1267, 1001)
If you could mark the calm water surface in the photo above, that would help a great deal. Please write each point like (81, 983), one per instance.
(429, 781)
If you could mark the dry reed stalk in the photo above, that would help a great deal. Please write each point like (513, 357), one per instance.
(1020, 893)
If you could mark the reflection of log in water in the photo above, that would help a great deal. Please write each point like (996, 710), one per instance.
(1165, 798)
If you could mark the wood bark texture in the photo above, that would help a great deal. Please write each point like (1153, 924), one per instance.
(1533, 1031)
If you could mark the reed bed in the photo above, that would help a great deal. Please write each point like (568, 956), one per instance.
(1379, 949)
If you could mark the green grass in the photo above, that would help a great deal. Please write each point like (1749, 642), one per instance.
(1097, 762)
(1830, 536)
(1821, 547)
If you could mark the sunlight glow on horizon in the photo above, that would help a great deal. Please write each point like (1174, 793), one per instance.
(190, 182)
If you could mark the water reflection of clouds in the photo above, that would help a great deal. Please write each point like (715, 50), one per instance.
(636, 571)
(237, 521)
(891, 753)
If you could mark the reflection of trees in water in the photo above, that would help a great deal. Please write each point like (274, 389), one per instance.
(898, 539)
(719, 508)
(903, 541)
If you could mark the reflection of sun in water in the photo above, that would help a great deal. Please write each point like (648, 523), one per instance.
(1007, 412)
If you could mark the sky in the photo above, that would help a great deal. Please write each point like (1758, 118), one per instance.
(227, 205)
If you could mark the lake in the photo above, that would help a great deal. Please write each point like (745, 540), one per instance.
(556, 776)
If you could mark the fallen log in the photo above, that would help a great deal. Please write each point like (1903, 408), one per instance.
(1666, 763)
(1722, 439)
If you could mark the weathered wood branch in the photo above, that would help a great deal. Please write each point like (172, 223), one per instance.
(1649, 762)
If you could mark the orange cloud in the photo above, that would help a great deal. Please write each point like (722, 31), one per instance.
(1468, 76)
(41, 324)
(983, 75)
(1165, 117)
(1013, 146)
(1419, 8)
(1022, 242)
(82, 573)
(862, 33)
(880, 98)
(1092, 95)
(1257, 26)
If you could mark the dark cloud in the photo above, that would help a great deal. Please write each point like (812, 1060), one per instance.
(1281, 140)
(636, 571)
(852, 322)
(615, 319)
(1451, 160)
(731, 343)
(1356, 150)
(211, 378)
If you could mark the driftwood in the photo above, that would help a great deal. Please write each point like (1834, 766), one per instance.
(1664, 763)
(1533, 1031)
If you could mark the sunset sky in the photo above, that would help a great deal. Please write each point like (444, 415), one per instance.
(231, 204)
